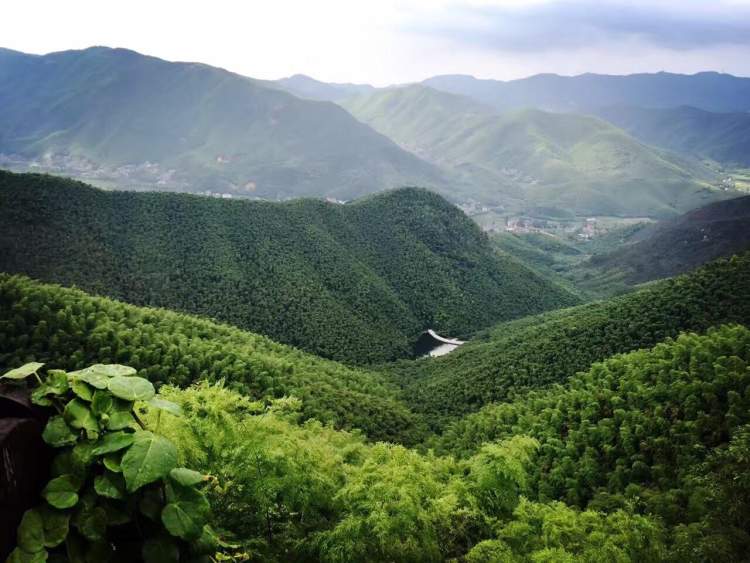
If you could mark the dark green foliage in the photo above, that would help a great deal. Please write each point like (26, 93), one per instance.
(681, 244)
(355, 282)
(94, 508)
(549, 348)
(70, 329)
(664, 430)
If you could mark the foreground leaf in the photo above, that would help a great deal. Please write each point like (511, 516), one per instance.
(167, 406)
(62, 492)
(131, 388)
(57, 433)
(149, 458)
(78, 415)
(112, 442)
(23, 372)
(186, 477)
(110, 485)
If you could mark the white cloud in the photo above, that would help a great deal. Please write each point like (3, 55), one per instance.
(340, 40)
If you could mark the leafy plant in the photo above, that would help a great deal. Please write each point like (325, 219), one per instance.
(116, 487)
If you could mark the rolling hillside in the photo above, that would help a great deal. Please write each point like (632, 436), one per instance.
(710, 91)
(723, 137)
(356, 282)
(678, 245)
(546, 349)
(530, 157)
(131, 121)
(69, 329)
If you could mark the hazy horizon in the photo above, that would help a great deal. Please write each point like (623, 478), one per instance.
(390, 42)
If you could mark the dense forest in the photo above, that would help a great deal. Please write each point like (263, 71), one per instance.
(70, 330)
(551, 347)
(356, 282)
(642, 458)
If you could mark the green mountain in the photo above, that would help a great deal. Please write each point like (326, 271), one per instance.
(69, 329)
(530, 158)
(549, 348)
(678, 245)
(723, 137)
(642, 458)
(356, 282)
(710, 91)
(306, 87)
(122, 119)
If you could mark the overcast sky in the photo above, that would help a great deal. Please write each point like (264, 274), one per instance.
(390, 41)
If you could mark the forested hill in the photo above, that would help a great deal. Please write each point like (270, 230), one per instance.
(549, 348)
(355, 282)
(679, 245)
(136, 121)
(68, 329)
(532, 158)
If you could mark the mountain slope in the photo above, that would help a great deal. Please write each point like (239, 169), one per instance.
(724, 137)
(549, 348)
(537, 158)
(307, 87)
(135, 121)
(681, 244)
(710, 91)
(355, 282)
(70, 329)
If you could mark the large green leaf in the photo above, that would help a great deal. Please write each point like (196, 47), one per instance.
(92, 523)
(131, 388)
(82, 390)
(56, 383)
(181, 520)
(55, 523)
(168, 406)
(31, 532)
(62, 492)
(57, 433)
(185, 476)
(23, 372)
(87, 375)
(120, 420)
(149, 458)
(110, 485)
(78, 415)
(186, 511)
(112, 462)
(112, 442)
(101, 404)
(112, 370)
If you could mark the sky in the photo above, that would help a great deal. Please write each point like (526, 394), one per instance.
(385, 42)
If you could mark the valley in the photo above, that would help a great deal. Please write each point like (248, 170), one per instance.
(381, 312)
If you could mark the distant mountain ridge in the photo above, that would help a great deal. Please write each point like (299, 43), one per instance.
(306, 87)
(710, 91)
(130, 119)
